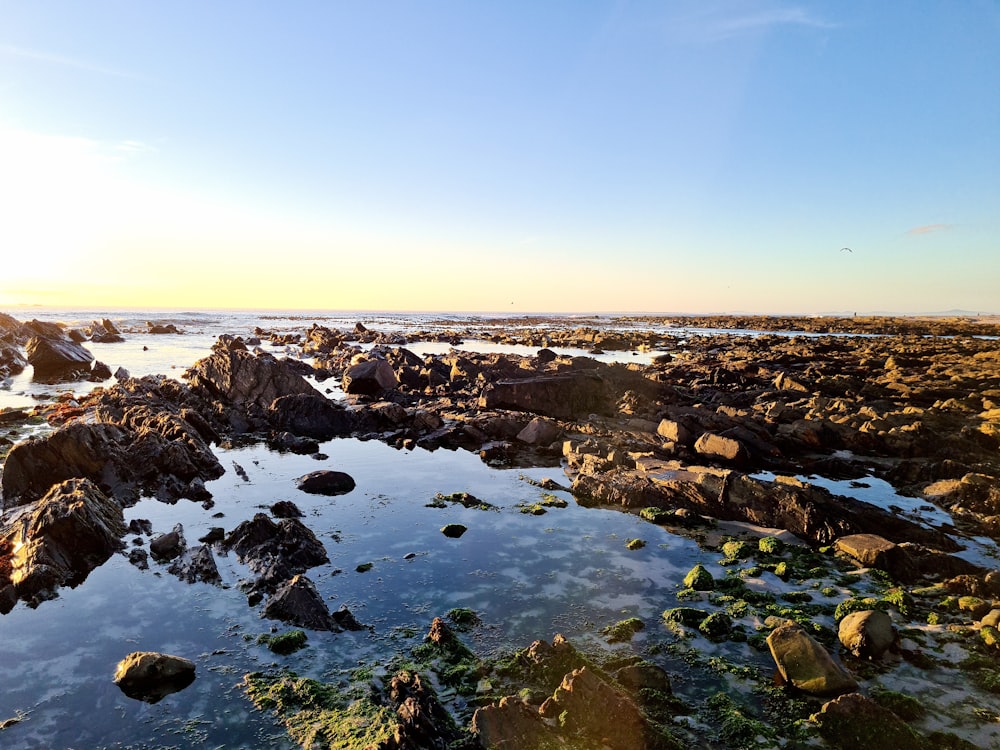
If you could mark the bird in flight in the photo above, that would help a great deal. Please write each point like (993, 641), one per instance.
(847, 249)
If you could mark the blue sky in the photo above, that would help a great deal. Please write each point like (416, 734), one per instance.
(542, 156)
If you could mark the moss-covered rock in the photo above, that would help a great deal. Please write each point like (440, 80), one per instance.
(634, 544)
(699, 579)
(687, 616)
(716, 627)
(285, 643)
(853, 721)
(770, 545)
(623, 631)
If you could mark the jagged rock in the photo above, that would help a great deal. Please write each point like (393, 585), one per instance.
(276, 551)
(287, 442)
(805, 664)
(618, 724)
(12, 361)
(139, 558)
(74, 528)
(235, 376)
(564, 396)
(286, 509)
(453, 530)
(674, 431)
(853, 721)
(512, 724)
(370, 378)
(310, 415)
(149, 676)
(56, 356)
(196, 565)
(299, 603)
(867, 634)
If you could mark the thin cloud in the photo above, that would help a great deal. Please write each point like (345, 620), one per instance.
(69, 62)
(719, 22)
(928, 229)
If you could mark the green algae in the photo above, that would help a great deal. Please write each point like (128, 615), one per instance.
(463, 618)
(622, 631)
(317, 714)
(634, 544)
(285, 643)
(699, 579)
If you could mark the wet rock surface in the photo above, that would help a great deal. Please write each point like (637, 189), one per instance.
(151, 677)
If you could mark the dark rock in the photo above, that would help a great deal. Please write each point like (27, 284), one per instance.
(297, 602)
(805, 664)
(874, 551)
(139, 558)
(370, 378)
(100, 371)
(286, 509)
(196, 565)
(168, 546)
(12, 361)
(276, 551)
(150, 677)
(325, 482)
(287, 442)
(453, 530)
(310, 415)
(215, 534)
(56, 356)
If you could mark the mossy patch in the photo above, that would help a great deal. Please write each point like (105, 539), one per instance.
(622, 631)
(285, 643)
(634, 544)
(699, 579)
(319, 715)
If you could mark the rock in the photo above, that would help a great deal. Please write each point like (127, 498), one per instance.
(453, 530)
(564, 396)
(286, 509)
(168, 546)
(718, 446)
(540, 431)
(149, 676)
(643, 676)
(297, 602)
(805, 664)
(699, 579)
(512, 724)
(992, 618)
(74, 528)
(618, 725)
(867, 634)
(12, 361)
(310, 415)
(139, 558)
(370, 378)
(196, 565)
(53, 357)
(852, 722)
(875, 551)
(235, 376)
(674, 431)
(275, 551)
(286, 442)
(325, 482)
(100, 371)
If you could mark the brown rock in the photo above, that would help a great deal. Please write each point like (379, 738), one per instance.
(805, 664)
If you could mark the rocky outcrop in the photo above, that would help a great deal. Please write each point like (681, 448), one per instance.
(854, 721)
(72, 529)
(235, 376)
(149, 676)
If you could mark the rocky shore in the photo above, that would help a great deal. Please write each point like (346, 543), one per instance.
(721, 428)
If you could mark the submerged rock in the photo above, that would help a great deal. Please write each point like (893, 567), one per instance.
(149, 676)
(276, 551)
(299, 603)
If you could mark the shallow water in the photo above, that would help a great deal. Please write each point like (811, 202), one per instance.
(527, 576)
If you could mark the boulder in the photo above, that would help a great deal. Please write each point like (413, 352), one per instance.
(867, 634)
(197, 565)
(325, 482)
(168, 546)
(149, 676)
(805, 664)
(674, 431)
(618, 725)
(53, 357)
(564, 396)
(12, 361)
(512, 724)
(370, 378)
(73, 529)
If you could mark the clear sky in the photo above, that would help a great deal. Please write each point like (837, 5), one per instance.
(501, 156)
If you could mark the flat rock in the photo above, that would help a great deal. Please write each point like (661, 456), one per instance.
(805, 664)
